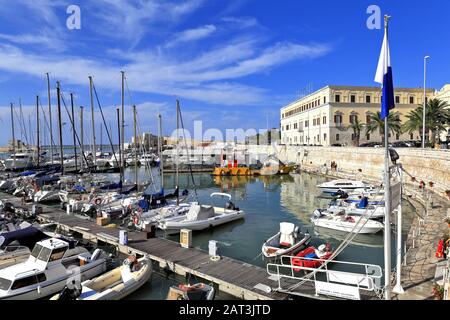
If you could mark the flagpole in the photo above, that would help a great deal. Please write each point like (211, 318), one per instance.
(387, 222)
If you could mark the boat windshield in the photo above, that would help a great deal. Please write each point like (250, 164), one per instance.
(5, 284)
(36, 250)
(44, 254)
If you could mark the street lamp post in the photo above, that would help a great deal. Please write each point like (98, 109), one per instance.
(424, 98)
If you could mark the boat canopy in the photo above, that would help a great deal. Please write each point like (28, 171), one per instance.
(26, 237)
(112, 186)
(79, 188)
(221, 194)
(200, 212)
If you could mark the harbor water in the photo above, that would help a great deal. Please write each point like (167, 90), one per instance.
(267, 201)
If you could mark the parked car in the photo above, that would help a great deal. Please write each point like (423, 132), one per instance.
(371, 144)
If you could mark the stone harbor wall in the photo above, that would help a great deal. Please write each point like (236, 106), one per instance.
(427, 165)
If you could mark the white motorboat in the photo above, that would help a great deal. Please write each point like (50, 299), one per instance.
(345, 185)
(114, 210)
(47, 270)
(19, 161)
(115, 284)
(198, 291)
(287, 241)
(346, 223)
(200, 217)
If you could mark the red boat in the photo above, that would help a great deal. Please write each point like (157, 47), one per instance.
(323, 253)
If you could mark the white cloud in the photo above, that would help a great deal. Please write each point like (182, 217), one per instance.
(241, 22)
(192, 35)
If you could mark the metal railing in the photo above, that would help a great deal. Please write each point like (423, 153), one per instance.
(369, 280)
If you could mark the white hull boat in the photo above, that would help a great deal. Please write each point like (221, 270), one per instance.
(48, 270)
(345, 185)
(117, 283)
(287, 241)
(360, 225)
(198, 291)
(200, 217)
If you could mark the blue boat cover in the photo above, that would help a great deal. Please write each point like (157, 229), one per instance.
(27, 173)
(79, 188)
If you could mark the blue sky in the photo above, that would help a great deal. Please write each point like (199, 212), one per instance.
(232, 64)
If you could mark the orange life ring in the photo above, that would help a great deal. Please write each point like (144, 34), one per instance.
(98, 201)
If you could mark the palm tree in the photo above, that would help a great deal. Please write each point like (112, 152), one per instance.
(357, 127)
(376, 123)
(437, 114)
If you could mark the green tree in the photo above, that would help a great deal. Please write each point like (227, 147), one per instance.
(357, 127)
(376, 123)
(437, 116)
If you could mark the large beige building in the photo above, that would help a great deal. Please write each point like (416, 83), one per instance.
(323, 117)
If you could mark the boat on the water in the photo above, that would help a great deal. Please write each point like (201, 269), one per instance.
(286, 242)
(200, 217)
(198, 291)
(113, 285)
(341, 184)
(343, 222)
(48, 268)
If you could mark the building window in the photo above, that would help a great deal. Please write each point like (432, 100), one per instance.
(324, 99)
(314, 122)
(367, 99)
(368, 136)
(353, 118)
(353, 98)
(397, 136)
(411, 100)
(397, 99)
(368, 120)
(295, 125)
(411, 136)
(426, 100)
(306, 123)
(389, 135)
(287, 127)
(337, 137)
(324, 137)
(324, 120)
(337, 98)
(338, 119)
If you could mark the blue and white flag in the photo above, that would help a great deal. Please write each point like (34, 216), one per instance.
(384, 77)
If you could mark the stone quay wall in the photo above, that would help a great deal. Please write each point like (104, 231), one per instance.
(427, 165)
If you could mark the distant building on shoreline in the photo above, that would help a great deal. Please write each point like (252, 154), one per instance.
(323, 117)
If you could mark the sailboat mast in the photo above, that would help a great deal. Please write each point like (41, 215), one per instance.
(122, 155)
(37, 131)
(61, 155)
(73, 130)
(82, 135)
(178, 153)
(93, 121)
(135, 149)
(50, 115)
(101, 138)
(118, 131)
(160, 144)
(13, 138)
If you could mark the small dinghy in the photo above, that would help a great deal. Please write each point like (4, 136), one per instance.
(113, 285)
(198, 291)
(311, 257)
(286, 242)
(346, 223)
